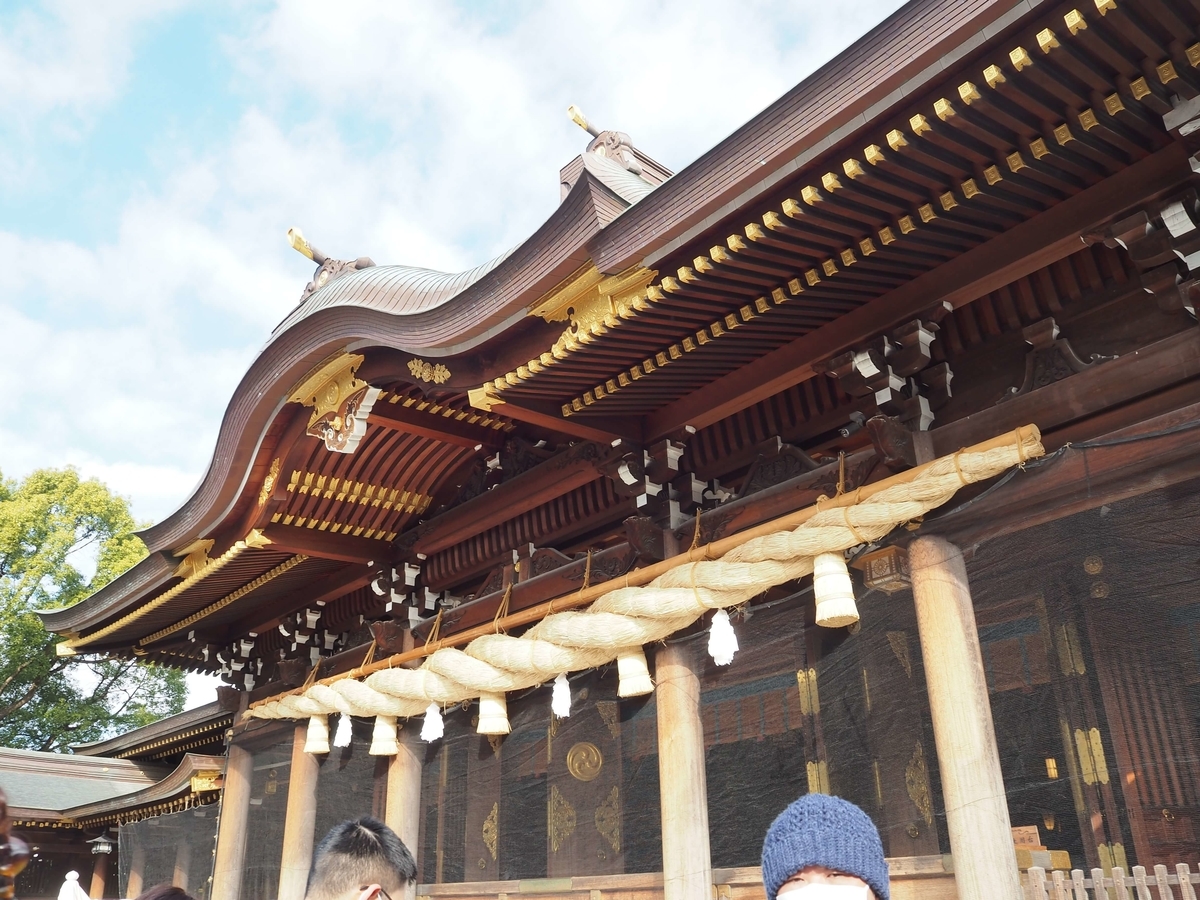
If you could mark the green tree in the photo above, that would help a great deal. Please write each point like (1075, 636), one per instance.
(49, 522)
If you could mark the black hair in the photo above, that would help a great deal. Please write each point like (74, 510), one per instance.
(356, 853)
(164, 892)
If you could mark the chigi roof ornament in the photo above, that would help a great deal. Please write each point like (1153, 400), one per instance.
(616, 145)
(612, 158)
(328, 268)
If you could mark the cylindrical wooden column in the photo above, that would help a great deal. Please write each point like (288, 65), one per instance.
(687, 863)
(183, 862)
(301, 823)
(981, 842)
(137, 865)
(99, 876)
(403, 804)
(231, 829)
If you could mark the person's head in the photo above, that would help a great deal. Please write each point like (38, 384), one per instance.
(164, 892)
(360, 859)
(824, 848)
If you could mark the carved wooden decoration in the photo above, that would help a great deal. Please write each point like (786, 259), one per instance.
(772, 469)
(1050, 358)
(895, 372)
(340, 402)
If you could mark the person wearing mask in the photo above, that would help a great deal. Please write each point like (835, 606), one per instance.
(360, 859)
(824, 848)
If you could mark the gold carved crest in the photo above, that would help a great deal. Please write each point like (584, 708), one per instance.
(491, 829)
(428, 372)
(560, 818)
(608, 819)
(916, 779)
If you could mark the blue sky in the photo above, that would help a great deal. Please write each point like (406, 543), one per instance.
(154, 152)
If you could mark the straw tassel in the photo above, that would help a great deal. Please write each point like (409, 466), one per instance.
(383, 737)
(834, 591)
(493, 714)
(317, 738)
(634, 674)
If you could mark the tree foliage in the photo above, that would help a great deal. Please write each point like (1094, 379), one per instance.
(50, 523)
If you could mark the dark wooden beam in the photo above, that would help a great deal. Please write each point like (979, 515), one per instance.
(447, 429)
(558, 475)
(323, 590)
(605, 565)
(1101, 387)
(1083, 478)
(1018, 252)
(325, 545)
(589, 428)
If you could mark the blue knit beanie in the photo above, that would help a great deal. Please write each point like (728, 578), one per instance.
(819, 830)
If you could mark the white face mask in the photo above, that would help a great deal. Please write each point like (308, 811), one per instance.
(798, 890)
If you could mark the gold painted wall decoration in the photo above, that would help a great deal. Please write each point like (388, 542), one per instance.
(608, 819)
(491, 829)
(584, 761)
(268, 484)
(428, 372)
(610, 713)
(810, 698)
(916, 779)
(898, 641)
(560, 818)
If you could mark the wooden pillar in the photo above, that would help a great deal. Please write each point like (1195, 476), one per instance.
(985, 863)
(687, 863)
(183, 862)
(137, 865)
(299, 827)
(403, 804)
(232, 825)
(99, 876)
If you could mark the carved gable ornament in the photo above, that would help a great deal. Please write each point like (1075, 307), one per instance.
(341, 403)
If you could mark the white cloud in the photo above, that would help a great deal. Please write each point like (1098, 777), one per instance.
(70, 54)
(429, 137)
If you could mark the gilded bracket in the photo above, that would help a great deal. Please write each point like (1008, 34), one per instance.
(341, 403)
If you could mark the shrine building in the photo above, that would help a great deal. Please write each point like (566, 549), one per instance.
(857, 457)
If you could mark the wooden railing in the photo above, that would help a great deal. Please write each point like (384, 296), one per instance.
(1137, 885)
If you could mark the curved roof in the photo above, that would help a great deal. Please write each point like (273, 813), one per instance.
(398, 290)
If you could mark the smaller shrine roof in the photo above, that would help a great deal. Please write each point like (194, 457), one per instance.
(34, 780)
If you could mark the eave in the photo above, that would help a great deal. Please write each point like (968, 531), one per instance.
(158, 737)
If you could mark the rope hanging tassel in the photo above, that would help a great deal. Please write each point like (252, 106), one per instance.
(625, 618)
(433, 727)
(722, 642)
(834, 591)
(316, 739)
(345, 733)
(560, 697)
(383, 737)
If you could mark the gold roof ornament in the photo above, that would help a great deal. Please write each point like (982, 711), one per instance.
(341, 402)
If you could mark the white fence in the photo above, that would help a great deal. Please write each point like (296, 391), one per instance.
(1161, 884)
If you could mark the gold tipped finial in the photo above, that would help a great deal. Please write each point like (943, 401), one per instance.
(296, 239)
(575, 114)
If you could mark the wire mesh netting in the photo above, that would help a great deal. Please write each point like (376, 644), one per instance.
(556, 797)
(1090, 632)
(271, 767)
(172, 849)
(352, 783)
(49, 862)
(1090, 638)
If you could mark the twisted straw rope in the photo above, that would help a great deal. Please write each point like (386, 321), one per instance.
(627, 618)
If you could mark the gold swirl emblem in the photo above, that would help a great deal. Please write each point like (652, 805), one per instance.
(584, 761)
